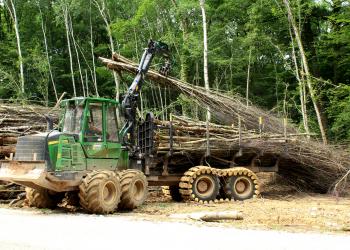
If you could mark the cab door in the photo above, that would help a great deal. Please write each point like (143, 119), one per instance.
(94, 133)
(112, 134)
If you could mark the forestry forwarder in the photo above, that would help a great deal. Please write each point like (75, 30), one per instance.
(107, 167)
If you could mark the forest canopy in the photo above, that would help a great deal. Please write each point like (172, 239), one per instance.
(49, 47)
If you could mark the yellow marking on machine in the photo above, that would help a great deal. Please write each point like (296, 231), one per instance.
(53, 142)
(56, 142)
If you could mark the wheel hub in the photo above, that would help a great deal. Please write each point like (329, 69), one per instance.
(108, 192)
(202, 186)
(138, 190)
(241, 187)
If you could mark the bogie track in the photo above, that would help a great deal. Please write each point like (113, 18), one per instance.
(207, 185)
(240, 183)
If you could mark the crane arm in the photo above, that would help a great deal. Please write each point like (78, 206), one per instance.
(129, 103)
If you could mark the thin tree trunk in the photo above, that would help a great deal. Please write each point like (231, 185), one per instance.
(161, 102)
(205, 52)
(197, 84)
(13, 14)
(205, 68)
(307, 71)
(136, 46)
(248, 77)
(155, 103)
(111, 42)
(77, 54)
(93, 56)
(65, 13)
(301, 88)
(47, 52)
(87, 83)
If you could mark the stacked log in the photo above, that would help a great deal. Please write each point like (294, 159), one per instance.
(195, 136)
(18, 120)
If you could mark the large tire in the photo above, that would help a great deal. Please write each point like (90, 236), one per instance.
(41, 198)
(173, 192)
(134, 189)
(241, 184)
(100, 192)
(206, 187)
(200, 183)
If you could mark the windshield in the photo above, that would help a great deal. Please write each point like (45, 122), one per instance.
(73, 118)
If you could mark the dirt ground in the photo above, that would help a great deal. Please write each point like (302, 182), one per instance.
(280, 207)
(298, 212)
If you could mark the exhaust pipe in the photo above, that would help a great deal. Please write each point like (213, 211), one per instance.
(49, 123)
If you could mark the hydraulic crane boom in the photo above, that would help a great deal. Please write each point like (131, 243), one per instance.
(129, 103)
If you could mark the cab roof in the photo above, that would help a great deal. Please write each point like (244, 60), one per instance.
(90, 99)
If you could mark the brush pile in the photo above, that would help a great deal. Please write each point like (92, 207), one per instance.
(227, 109)
(305, 163)
(17, 120)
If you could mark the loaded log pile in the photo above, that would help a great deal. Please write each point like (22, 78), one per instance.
(302, 162)
(17, 120)
(191, 136)
(306, 164)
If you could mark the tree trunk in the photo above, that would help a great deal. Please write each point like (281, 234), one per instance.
(111, 42)
(301, 88)
(47, 53)
(205, 69)
(205, 52)
(161, 102)
(65, 13)
(248, 77)
(93, 57)
(77, 54)
(13, 14)
(307, 71)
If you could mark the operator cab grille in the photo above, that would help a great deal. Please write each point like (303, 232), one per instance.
(28, 145)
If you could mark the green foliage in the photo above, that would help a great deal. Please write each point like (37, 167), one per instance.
(339, 112)
(234, 29)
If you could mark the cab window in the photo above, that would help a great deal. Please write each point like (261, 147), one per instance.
(94, 126)
(72, 118)
(112, 125)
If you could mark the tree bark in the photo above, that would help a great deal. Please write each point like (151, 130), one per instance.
(307, 71)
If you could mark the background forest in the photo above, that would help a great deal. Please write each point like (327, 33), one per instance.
(48, 47)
